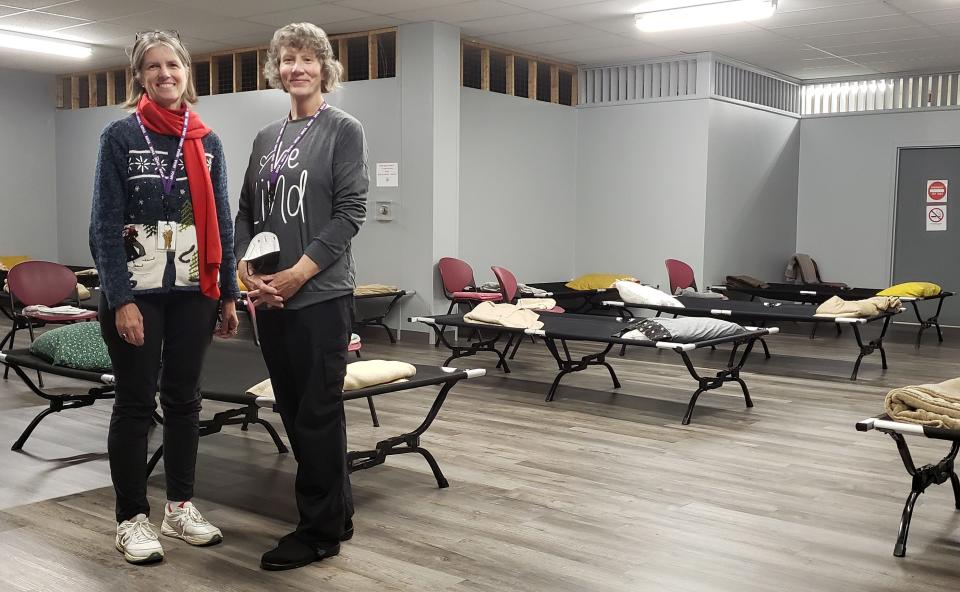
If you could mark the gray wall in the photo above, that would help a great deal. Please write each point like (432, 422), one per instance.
(752, 171)
(641, 188)
(518, 190)
(28, 200)
(847, 187)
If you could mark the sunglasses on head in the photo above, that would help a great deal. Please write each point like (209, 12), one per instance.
(168, 32)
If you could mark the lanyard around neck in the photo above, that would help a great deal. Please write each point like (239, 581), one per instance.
(166, 179)
(280, 159)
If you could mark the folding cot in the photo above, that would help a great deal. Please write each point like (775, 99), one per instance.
(923, 477)
(560, 329)
(817, 293)
(378, 318)
(762, 313)
(230, 369)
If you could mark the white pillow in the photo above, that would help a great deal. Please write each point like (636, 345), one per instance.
(634, 293)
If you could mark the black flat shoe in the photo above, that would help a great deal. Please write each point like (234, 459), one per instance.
(347, 531)
(291, 553)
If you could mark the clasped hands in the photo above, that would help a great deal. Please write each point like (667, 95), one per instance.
(273, 290)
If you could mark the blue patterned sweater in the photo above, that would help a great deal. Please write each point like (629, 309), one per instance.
(145, 242)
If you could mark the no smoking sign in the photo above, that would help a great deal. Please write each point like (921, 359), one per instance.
(936, 218)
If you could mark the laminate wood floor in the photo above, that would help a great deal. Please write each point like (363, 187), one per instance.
(600, 490)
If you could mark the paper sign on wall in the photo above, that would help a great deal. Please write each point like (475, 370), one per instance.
(937, 190)
(388, 174)
(936, 217)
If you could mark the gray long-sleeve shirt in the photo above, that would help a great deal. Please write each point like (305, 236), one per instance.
(319, 202)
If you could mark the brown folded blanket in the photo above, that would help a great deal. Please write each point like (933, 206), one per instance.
(368, 289)
(932, 405)
(747, 281)
(871, 307)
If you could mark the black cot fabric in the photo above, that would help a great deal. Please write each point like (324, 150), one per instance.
(741, 310)
(24, 359)
(232, 367)
(814, 293)
(583, 327)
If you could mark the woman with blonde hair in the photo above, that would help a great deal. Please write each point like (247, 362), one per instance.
(161, 238)
(306, 183)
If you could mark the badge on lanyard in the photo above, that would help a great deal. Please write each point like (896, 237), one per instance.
(166, 235)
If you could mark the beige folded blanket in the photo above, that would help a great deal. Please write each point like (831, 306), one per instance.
(536, 303)
(359, 375)
(506, 315)
(933, 405)
(367, 289)
(837, 307)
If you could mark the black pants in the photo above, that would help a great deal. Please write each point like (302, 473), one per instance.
(177, 327)
(306, 353)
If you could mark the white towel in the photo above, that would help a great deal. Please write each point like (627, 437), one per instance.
(55, 310)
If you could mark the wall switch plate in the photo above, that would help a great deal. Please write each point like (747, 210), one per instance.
(384, 211)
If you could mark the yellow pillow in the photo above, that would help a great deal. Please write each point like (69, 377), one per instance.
(10, 260)
(597, 281)
(240, 283)
(915, 289)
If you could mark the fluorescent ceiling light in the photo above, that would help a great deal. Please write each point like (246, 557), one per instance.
(705, 15)
(37, 43)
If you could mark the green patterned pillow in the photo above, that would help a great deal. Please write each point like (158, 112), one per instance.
(79, 346)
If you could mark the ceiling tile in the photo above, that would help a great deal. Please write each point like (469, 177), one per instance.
(33, 4)
(103, 33)
(843, 27)
(825, 15)
(507, 24)
(321, 14)
(830, 41)
(37, 21)
(241, 8)
(794, 5)
(391, 6)
(938, 17)
(96, 10)
(362, 24)
(465, 11)
(518, 38)
(919, 5)
(6, 10)
(551, 4)
(596, 11)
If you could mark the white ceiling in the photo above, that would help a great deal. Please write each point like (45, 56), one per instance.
(805, 39)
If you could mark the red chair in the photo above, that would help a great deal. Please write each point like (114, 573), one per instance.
(680, 275)
(42, 283)
(459, 285)
(508, 288)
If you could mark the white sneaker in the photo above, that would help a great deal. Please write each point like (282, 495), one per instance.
(137, 540)
(183, 521)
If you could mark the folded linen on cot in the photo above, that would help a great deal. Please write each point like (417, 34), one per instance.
(837, 307)
(506, 315)
(369, 289)
(933, 405)
(536, 303)
(359, 375)
(682, 330)
(521, 289)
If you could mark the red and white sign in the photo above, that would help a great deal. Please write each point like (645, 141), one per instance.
(936, 218)
(937, 190)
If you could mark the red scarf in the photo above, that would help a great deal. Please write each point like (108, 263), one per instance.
(170, 123)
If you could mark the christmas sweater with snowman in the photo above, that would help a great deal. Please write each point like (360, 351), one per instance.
(144, 240)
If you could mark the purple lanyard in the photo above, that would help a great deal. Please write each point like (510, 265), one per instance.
(167, 180)
(280, 159)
